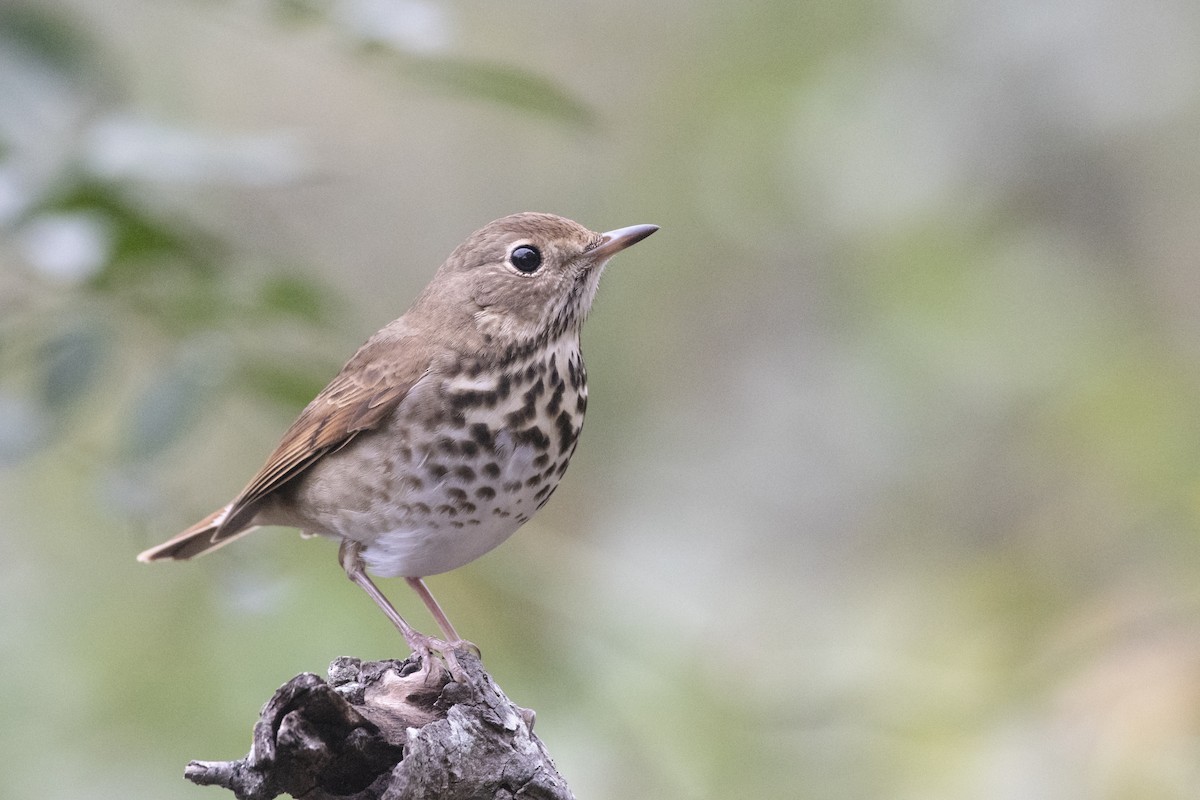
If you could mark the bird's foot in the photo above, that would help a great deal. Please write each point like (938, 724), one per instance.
(433, 652)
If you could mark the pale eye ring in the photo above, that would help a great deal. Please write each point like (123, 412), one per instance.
(526, 258)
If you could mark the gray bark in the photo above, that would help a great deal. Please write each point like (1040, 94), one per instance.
(391, 730)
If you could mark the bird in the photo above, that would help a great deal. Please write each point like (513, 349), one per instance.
(448, 428)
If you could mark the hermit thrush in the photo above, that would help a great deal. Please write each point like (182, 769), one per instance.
(450, 427)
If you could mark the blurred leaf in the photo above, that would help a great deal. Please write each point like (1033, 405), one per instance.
(141, 242)
(294, 296)
(498, 83)
(72, 361)
(299, 11)
(172, 403)
(501, 84)
(165, 410)
(290, 387)
(178, 306)
(49, 38)
(66, 247)
(23, 427)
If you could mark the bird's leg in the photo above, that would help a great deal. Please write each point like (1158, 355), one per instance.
(452, 638)
(439, 616)
(351, 561)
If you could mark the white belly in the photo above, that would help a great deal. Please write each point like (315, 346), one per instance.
(431, 543)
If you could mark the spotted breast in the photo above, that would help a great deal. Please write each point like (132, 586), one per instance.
(483, 451)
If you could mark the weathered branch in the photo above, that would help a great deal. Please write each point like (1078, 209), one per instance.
(394, 730)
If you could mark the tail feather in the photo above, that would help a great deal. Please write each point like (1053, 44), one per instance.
(197, 540)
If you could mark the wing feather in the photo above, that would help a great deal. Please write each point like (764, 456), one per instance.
(360, 398)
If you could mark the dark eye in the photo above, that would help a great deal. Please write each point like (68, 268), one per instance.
(525, 258)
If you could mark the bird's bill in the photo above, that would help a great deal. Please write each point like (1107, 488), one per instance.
(614, 242)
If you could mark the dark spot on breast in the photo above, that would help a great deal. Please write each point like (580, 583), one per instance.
(458, 402)
(485, 493)
(464, 473)
(501, 512)
(550, 487)
(447, 445)
(511, 486)
(468, 448)
(521, 416)
(581, 404)
(566, 431)
(455, 524)
(467, 508)
(533, 480)
(535, 392)
(481, 434)
(491, 469)
(455, 493)
(410, 483)
(576, 373)
(438, 471)
(534, 436)
(555, 401)
(420, 508)
(503, 387)
(447, 510)
(542, 460)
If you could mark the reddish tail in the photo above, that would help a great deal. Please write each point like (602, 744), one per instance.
(197, 540)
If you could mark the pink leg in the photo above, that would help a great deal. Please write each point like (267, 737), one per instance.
(439, 616)
(351, 561)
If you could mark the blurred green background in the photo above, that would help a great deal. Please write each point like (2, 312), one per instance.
(891, 477)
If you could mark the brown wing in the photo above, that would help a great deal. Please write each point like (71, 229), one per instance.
(358, 399)
(363, 394)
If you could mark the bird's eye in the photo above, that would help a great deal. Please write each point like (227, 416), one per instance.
(526, 259)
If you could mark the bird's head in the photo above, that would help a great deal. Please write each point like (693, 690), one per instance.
(526, 277)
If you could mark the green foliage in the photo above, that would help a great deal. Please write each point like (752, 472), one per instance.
(71, 360)
(49, 38)
(290, 295)
(168, 273)
(518, 89)
(168, 407)
(507, 85)
(145, 245)
(288, 385)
